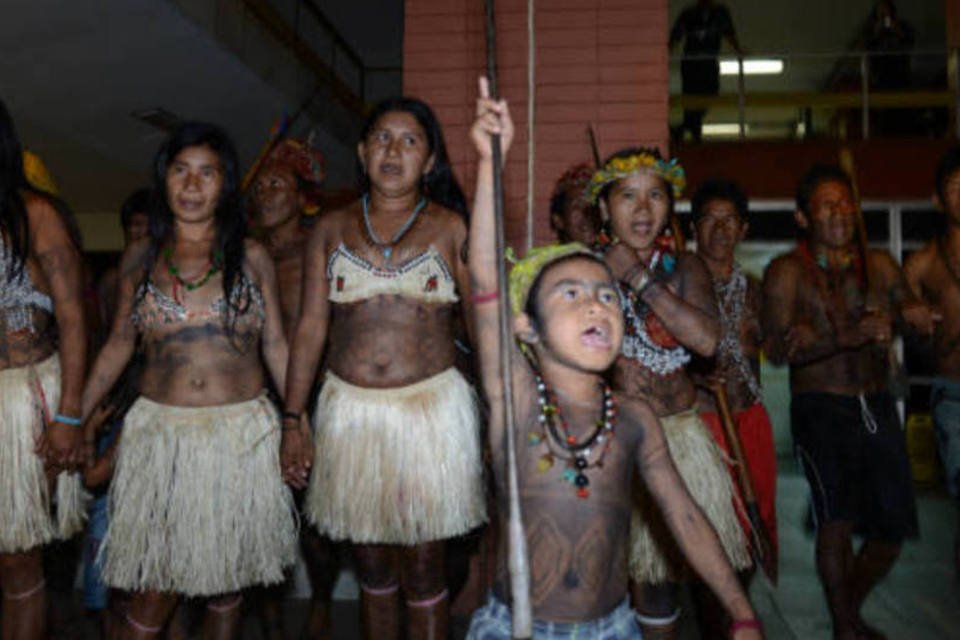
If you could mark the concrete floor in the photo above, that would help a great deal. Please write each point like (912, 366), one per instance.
(920, 599)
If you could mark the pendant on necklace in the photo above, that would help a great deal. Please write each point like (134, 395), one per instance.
(387, 252)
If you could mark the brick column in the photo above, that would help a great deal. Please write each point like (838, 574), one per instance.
(596, 61)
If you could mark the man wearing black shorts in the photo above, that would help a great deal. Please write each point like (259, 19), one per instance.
(829, 312)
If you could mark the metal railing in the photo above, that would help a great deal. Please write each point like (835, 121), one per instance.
(308, 33)
(849, 83)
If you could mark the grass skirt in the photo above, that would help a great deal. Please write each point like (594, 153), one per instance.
(397, 466)
(28, 516)
(197, 504)
(654, 555)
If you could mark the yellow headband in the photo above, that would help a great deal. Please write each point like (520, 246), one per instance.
(524, 272)
(618, 168)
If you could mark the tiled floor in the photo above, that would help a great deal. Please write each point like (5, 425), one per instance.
(920, 599)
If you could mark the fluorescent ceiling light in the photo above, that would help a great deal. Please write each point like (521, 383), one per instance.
(754, 67)
(723, 129)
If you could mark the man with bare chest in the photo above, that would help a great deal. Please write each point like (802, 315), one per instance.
(829, 312)
(933, 274)
(286, 197)
(719, 210)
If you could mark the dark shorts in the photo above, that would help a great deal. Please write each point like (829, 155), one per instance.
(854, 455)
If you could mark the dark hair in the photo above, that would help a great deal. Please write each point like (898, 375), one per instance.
(532, 308)
(229, 217)
(633, 151)
(14, 223)
(13, 210)
(439, 184)
(558, 203)
(718, 189)
(948, 165)
(136, 202)
(814, 177)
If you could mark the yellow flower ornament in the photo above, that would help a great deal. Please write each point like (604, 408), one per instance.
(622, 167)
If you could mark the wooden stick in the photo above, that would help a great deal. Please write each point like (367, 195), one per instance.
(847, 164)
(761, 547)
(598, 163)
(679, 241)
(518, 563)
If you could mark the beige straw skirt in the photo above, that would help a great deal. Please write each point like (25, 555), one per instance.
(29, 515)
(654, 556)
(197, 504)
(397, 466)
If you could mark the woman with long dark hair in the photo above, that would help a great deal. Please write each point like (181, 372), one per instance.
(398, 467)
(42, 352)
(197, 504)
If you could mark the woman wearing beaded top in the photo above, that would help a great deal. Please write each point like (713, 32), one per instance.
(670, 312)
(42, 352)
(197, 503)
(398, 467)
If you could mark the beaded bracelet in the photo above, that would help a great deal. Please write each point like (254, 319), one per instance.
(752, 623)
(291, 415)
(73, 422)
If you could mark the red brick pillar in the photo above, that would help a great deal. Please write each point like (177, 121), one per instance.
(600, 62)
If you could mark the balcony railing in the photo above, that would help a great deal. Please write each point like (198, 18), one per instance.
(856, 94)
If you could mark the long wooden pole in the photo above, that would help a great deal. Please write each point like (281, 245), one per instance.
(846, 163)
(761, 547)
(594, 149)
(518, 563)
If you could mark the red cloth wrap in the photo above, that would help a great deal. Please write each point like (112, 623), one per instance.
(756, 440)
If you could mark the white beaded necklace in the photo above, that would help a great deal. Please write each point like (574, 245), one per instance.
(731, 297)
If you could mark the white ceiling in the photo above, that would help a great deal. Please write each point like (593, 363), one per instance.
(71, 72)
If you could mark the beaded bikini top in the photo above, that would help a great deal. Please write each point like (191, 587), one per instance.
(645, 339)
(425, 277)
(154, 308)
(18, 296)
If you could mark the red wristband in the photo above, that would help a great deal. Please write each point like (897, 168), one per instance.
(752, 623)
(480, 298)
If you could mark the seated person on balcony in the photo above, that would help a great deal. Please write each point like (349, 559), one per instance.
(889, 39)
(701, 27)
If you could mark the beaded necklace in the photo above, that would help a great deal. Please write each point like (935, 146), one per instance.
(731, 296)
(386, 248)
(645, 338)
(555, 433)
(216, 259)
(828, 280)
